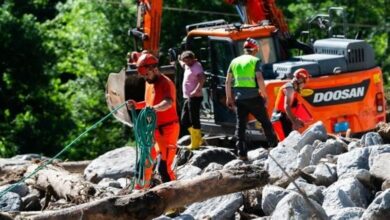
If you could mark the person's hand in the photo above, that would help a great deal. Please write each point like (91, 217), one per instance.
(131, 104)
(230, 103)
(297, 124)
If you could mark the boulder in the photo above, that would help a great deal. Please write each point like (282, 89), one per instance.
(379, 209)
(325, 174)
(218, 208)
(381, 167)
(213, 167)
(352, 160)
(113, 164)
(10, 202)
(312, 191)
(294, 206)
(257, 154)
(270, 197)
(345, 193)
(331, 146)
(187, 172)
(351, 213)
(371, 138)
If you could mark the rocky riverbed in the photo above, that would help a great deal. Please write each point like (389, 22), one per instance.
(334, 178)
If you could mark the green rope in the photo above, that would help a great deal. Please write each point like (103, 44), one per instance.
(8, 189)
(144, 126)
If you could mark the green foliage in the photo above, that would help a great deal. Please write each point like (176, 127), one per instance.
(55, 57)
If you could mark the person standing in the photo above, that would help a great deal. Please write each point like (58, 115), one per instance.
(193, 81)
(284, 120)
(249, 95)
(160, 95)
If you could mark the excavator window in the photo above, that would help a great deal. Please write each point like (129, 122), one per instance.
(266, 53)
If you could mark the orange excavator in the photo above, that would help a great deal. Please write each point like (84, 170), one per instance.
(345, 93)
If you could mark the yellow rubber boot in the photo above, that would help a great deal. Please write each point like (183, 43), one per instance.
(196, 139)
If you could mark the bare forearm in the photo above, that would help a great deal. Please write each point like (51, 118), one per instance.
(163, 105)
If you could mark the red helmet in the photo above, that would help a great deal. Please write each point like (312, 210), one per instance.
(144, 61)
(302, 74)
(251, 43)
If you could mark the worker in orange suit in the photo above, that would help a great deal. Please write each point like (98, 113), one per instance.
(284, 119)
(160, 95)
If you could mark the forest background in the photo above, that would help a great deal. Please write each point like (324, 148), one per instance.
(55, 57)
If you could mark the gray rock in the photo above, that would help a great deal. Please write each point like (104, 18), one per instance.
(316, 131)
(124, 182)
(217, 208)
(113, 164)
(381, 167)
(345, 193)
(354, 145)
(286, 157)
(270, 198)
(304, 156)
(385, 185)
(294, 206)
(312, 191)
(10, 202)
(379, 209)
(362, 175)
(352, 213)
(325, 174)
(30, 157)
(291, 140)
(309, 169)
(257, 154)
(371, 138)
(233, 164)
(213, 167)
(331, 146)
(108, 182)
(187, 172)
(31, 203)
(352, 160)
(376, 150)
(19, 188)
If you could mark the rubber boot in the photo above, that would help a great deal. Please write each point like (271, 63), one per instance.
(196, 139)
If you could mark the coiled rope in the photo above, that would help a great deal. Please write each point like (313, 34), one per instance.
(144, 127)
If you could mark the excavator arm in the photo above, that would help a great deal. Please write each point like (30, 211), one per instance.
(148, 28)
(256, 11)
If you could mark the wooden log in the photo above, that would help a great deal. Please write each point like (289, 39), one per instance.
(154, 202)
(63, 184)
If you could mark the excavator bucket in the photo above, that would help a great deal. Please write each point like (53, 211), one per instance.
(123, 86)
(115, 95)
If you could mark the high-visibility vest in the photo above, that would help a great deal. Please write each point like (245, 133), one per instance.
(243, 69)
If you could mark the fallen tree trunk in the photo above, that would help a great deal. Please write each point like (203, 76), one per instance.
(156, 201)
(61, 183)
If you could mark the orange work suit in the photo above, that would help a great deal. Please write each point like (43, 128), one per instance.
(167, 130)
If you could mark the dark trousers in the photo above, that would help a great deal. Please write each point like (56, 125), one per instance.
(256, 107)
(190, 113)
(286, 124)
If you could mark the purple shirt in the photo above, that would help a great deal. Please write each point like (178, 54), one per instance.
(191, 79)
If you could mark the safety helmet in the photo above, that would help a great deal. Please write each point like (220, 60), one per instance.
(144, 61)
(302, 74)
(251, 43)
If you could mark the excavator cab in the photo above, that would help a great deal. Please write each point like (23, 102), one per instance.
(215, 44)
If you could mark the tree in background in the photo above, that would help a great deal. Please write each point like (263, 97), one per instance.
(30, 119)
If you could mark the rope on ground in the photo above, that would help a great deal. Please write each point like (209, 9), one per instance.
(144, 127)
(8, 189)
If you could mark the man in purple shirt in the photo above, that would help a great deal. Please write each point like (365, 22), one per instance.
(193, 81)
